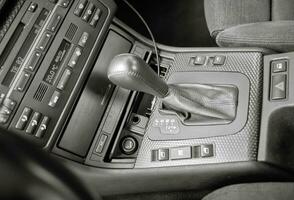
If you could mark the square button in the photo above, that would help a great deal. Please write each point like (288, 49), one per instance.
(163, 154)
(219, 60)
(207, 150)
(279, 66)
(180, 153)
(199, 60)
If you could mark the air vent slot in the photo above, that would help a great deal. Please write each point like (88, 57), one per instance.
(41, 91)
(71, 31)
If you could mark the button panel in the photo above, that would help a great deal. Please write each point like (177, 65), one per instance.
(41, 104)
(88, 12)
(32, 123)
(279, 80)
(180, 153)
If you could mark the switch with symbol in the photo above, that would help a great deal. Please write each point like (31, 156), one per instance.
(279, 66)
(206, 151)
(43, 127)
(33, 123)
(279, 87)
(23, 120)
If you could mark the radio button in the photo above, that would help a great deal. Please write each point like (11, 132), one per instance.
(43, 127)
(44, 41)
(64, 79)
(96, 18)
(84, 39)
(80, 7)
(89, 12)
(23, 120)
(75, 57)
(33, 123)
(54, 23)
(22, 82)
(33, 62)
(54, 99)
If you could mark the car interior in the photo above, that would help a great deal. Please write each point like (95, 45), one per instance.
(148, 100)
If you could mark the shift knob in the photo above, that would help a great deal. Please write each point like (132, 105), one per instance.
(131, 72)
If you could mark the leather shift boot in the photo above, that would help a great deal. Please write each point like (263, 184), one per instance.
(198, 104)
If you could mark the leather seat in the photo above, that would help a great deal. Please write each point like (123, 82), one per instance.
(252, 23)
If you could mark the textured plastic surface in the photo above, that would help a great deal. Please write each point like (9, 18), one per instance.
(241, 146)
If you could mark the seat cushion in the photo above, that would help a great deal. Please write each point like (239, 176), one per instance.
(223, 14)
(278, 36)
(254, 191)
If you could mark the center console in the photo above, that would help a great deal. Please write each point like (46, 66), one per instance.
(54, 91)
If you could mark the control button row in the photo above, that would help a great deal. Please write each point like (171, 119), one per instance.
(180, 153)
(279, 79)
(217, 60)
(33, 122)
(88, 12)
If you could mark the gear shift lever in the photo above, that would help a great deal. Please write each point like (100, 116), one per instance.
(195, 104)
(131, 72)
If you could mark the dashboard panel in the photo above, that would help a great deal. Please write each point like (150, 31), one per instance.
(46, 56)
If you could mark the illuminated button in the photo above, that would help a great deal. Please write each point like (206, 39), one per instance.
(89, 12)
(44, 41)
(64, 79)
(64, 3)
(23, 120)
(33, 7)
(80, 7)
(33, 62)
(96, 18)
(53, 24)
(34, 123)
(75, 57)
(43, 127)
(22, 81)
(84, 39)
(54, 99)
